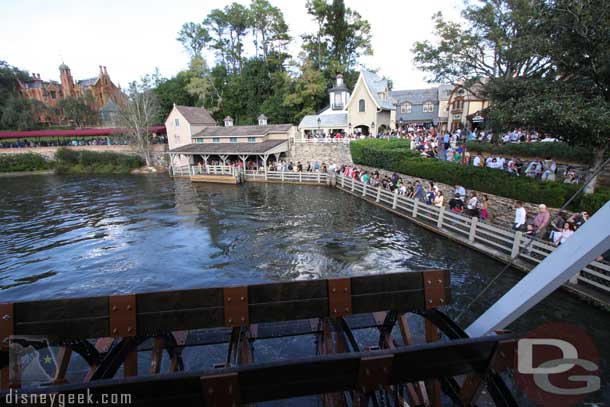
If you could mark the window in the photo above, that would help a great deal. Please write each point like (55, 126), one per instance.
(428, 107)
(177, 122)
(215, 140)
(405, 108)
(251, 139)
(53, 94)
(233, 139)
(199, 140)
(361, 105)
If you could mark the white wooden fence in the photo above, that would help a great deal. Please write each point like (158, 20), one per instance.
(287, 176)
(502, 243)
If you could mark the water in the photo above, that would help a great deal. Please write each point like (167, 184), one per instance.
(77, 236)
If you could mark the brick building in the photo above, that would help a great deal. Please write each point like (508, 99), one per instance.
(105, 95)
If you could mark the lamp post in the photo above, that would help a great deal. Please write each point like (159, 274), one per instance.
(373, 129)
(319, 122)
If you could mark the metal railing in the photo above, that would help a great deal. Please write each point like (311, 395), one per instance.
(288, 176)
(502, 243)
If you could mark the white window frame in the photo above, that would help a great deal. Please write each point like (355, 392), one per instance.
(428, 107)
(406, 107)
(177, 122)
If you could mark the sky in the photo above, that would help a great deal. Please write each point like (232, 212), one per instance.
(133, 37)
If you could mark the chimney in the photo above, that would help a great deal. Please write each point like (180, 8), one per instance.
(105, 71)
(101, 72)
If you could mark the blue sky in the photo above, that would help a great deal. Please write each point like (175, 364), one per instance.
(132, 37)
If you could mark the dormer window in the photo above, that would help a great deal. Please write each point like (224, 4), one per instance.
(406, 108)
(228, 121)
(262, 120)
(428, 107)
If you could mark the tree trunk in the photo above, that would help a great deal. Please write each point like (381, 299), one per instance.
(599, 155)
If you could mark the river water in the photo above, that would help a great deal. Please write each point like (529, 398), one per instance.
(81, 236)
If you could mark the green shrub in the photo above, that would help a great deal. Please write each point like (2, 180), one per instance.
(24, 162)
(374, 154)
(557, 151)
(106, 162)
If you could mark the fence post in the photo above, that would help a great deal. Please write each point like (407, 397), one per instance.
(574, 278)
(415, 202)
(352, 185)
(342, 181)
(473, 228)
(378, 194)
(395, 199)
(300, 177)
(516, 244)
(441, 215)
(282, 176)
(318, 178)
(363, 189)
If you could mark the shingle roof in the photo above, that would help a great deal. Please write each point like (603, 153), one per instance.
(229, 148)
(416, 96)
(196, 115)
(235, 131)
(326, 120)
(377, 85)
(87, 82)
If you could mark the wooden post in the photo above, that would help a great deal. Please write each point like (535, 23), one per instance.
(473, 228)
(318, 178)
(342, 181)
(516, 243)
(433, 385)
(378, 194)
(395, 199)
(363, 189)
(441, 215)
(282, 176)
(414, 214)
(300, 177)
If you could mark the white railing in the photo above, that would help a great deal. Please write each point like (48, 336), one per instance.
(288, 176)
(181, 171)
(502, 243)
(214, 170)
(324, 140)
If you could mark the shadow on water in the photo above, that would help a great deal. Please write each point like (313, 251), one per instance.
(76, 236)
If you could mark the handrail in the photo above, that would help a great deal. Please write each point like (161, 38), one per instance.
(502, 243)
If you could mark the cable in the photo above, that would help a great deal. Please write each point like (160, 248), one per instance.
(509, 264)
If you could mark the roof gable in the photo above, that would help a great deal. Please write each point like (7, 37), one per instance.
(237, 131)
(196, 115)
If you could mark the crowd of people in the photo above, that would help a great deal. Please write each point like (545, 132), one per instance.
(72, 142)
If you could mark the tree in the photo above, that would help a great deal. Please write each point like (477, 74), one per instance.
(139, 115)
(574, 103)
(310, 86)
(500, 38)
(203, 84)
(193, 37)
(19, 113)
(342, 36)
(269, 28)
(174, 90)
(77, 110)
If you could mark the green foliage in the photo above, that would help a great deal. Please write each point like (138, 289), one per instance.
(24, 162)
(72, 161)
(557, 151)
(174, 90)
(20, 114)
(77, 110)
(394, 156)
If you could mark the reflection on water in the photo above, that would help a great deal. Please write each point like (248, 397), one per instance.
(73, 236)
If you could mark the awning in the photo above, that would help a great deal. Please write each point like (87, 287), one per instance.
(265, 147)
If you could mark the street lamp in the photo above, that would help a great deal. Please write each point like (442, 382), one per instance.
(373, 128)
(319, 122)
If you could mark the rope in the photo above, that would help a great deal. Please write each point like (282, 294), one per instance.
(509, 264)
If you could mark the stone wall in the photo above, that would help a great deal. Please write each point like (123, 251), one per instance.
(158, 155)
(501, 209)
(338, 153)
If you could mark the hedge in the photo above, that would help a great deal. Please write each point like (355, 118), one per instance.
(24, 162)
(557, 151)
(72, 161)
(392, 157)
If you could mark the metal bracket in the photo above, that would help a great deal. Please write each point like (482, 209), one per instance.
(339, 297)
(504, 356)
(221, 390)
(7, 324)
(434, 288)
(236, 306)
(122, 315)
(375, 371)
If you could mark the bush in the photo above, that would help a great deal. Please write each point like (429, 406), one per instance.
(24, 162)
(374, 153)
(72, 161)
(557, 151)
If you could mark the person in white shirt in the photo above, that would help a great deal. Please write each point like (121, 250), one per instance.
(472, 208)
(501, 161)
(459, 190)
(488, 161)
(477, 161)
(568, 230)
(520, 217)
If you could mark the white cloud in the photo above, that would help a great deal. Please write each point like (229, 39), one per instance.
(131, 38)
